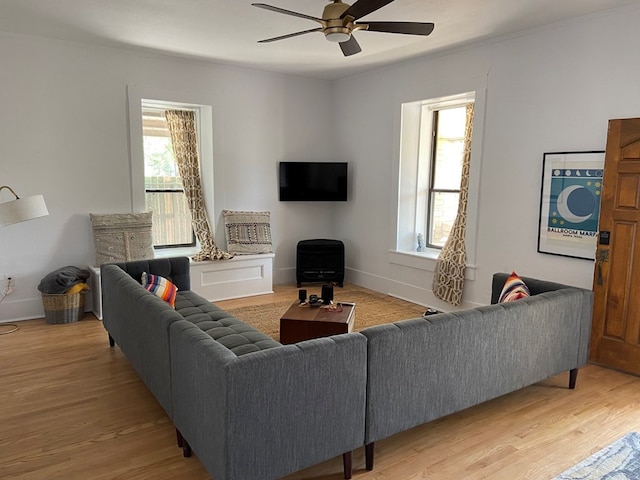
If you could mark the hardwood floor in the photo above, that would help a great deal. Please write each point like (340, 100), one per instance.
(73, 408)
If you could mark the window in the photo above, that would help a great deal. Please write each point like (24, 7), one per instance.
(431, 149)
(164, 194)
(445, 169)
(150, 98)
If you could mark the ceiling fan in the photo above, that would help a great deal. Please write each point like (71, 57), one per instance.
(338, 23)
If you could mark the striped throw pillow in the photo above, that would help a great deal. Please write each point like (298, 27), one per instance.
(161, 287)
(514, 289)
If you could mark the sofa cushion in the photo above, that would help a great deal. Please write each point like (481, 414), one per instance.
(230, 332)
(160, 286)
(514, 289)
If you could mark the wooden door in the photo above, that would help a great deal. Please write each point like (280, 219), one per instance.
(615, 335)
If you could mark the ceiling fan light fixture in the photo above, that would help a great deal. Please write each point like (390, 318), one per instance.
(337, 34)
(338, 23)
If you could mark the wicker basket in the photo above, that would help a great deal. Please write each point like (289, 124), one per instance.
(63, 308)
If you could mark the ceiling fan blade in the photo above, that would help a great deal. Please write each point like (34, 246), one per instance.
(364, 7)
(297, 34)
(350, 47)
(408, 28)
(286, 12)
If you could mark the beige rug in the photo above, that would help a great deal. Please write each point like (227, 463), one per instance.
(371, 309)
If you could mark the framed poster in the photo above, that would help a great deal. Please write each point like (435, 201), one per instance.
(570, 203)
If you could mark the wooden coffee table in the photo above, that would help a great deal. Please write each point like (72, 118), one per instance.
(302, 322)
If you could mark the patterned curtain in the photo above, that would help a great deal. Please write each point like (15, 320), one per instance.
(182, 127)
(448, 278)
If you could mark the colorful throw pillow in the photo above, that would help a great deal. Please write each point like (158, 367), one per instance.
(161, 287)
(514, 289)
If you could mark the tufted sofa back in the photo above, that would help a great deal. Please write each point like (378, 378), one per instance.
(175, 269)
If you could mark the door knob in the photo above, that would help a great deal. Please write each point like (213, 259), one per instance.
(602, 256)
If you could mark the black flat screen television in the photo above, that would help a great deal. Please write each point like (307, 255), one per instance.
(313, 181)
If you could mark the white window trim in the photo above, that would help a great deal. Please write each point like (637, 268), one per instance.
(203, 105)
(400, 253)
(425, 154)
(425, 261)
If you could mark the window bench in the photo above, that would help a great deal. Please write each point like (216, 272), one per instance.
(241, 276)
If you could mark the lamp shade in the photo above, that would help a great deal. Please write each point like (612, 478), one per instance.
(22, 209)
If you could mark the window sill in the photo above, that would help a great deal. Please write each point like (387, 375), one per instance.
(191, 251)
(238, 258)
(424, 261)
(175, 252)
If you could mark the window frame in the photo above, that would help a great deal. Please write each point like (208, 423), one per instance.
(406, 174)
(203, 105)
(146, 106)
(434, 110)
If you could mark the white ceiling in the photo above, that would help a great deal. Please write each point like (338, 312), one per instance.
(227, 31)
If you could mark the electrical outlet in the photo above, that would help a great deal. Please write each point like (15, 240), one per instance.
(9, 284)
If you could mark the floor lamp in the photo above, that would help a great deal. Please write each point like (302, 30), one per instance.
(16, 211)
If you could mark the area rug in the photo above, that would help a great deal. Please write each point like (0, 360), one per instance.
(371, 309)
(618, 461)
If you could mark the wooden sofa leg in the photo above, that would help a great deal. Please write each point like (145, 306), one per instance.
(112, 342)
(368, 455)
(183, 444)
(573, 376)
(347, 462)
(186, 449)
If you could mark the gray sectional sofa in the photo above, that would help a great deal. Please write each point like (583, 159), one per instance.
(422, 369)
(248, 407)
(251, 408)
(267, 414)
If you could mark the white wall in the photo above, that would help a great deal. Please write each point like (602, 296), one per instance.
(549, 90)
(64, 134)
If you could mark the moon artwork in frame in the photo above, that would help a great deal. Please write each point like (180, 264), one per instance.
(570, 203)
